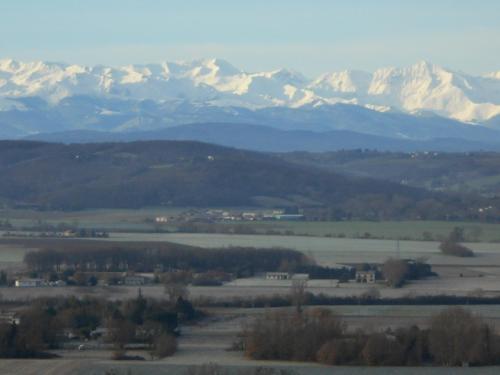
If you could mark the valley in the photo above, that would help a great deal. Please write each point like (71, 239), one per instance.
(249, 188)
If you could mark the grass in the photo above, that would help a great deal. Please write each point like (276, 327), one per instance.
(405, 230)
(110, 219)
(135, 220)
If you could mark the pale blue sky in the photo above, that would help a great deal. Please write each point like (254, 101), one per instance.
(312, 36)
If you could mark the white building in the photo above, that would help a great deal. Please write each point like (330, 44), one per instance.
(365, 277)
(136, 280)
(277, 276)
(30, 283)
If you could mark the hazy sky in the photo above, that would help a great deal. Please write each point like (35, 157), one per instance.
(312, 36)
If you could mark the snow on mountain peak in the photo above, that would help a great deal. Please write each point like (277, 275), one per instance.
(495, 75)
(420, 87)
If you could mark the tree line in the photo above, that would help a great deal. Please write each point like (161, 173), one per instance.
(48, 322)
(455, 337)
(365, 299)
(237, 260)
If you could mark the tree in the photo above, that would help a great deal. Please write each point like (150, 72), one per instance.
(451, 245)
(38, 329)
(298, 293)
(395, 272)
(448, 247)
(285, 335)
(380, 350)
(120, 332)
(176, 290)
(3, 278)
(337, 352)
(457, 337)
(134, 309)
(164, 345)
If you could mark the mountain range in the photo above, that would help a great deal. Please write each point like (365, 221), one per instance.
(422, 102)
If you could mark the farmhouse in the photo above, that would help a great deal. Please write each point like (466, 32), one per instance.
(30, 283)
(136, 280)
(277, 276)
(9, 317)
(365, 277)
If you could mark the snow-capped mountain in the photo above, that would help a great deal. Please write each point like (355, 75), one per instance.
(420, 88)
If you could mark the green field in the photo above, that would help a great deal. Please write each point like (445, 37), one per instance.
(137, 220)
(109, 219)
(405, 230)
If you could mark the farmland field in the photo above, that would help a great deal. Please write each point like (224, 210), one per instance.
(119, 219)
(207, 342)
(330, 251)
(383, 229)
(136, 220)
(90, 366)
(324, 250)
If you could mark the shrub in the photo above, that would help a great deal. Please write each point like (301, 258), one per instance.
(453, 248)
(164, 345)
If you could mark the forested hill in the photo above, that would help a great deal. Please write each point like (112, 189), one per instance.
(465, 172)
(176, 173)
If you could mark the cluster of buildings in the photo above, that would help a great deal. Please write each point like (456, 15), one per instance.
(287, 276)
(36, 283)
(364, 277)
(223, 215)
(137, 280)
(219, 215)
(123, 279)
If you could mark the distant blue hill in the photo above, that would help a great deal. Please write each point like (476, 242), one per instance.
(265, 138)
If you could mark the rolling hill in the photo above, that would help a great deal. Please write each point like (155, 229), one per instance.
(466, 172)
(175, 173)
(265, 138)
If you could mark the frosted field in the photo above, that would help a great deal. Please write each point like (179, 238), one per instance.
(456, 275)
(330, 251)
(207, 342)
(490, 286)
(103, 367)
(11, 257)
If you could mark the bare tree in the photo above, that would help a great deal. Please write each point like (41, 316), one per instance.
(457, 337)
(163, 346)
(176, 290)
(298, 293)
(395, 271)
